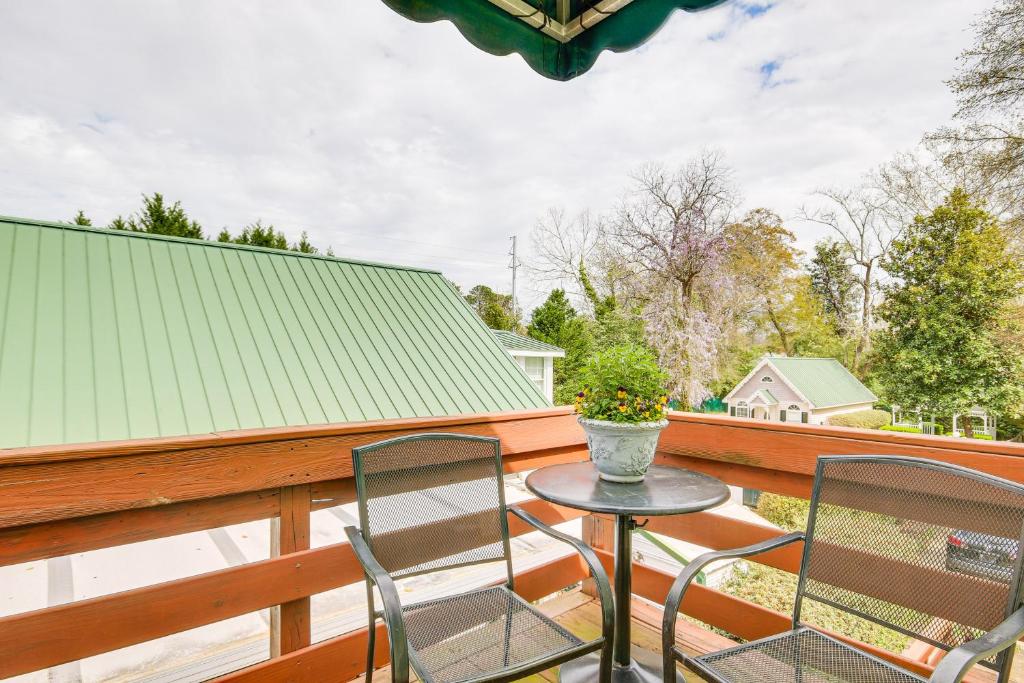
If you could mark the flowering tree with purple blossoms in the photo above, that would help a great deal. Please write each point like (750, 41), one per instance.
(671, 230)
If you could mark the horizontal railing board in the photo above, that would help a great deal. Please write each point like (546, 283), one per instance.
(795, 448)
(718, 532)
(105, 449)
(43, 638)
(747, 476)
(32, 493)
(342, 658)
(82, 534)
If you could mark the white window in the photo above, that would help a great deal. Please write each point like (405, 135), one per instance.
(767, 380)
(534, 367)
(742, 410)
(794, 407)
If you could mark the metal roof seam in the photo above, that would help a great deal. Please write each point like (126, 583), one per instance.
(464, 381)
(405, 308)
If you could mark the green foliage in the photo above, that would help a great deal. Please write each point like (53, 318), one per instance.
(785, 512)
(556, 322)
(549, 319)
(951, 341)
(81, 219)
(832, 279)
(901, 428)
(622, 384)
(256, 235)
(864, 419)
(158, 218)
(776, 590)
(493, 308)
(303, 246)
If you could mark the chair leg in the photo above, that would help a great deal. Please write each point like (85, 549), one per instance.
(371, 633)
(605, 674)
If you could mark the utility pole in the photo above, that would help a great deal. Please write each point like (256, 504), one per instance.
(514, 265)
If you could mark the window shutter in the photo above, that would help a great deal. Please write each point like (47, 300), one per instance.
(782, 416)
(803, 417)
(732, 410)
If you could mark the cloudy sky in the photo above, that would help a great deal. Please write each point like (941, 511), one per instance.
(396, 141)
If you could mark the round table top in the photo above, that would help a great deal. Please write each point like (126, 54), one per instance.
(664, 491)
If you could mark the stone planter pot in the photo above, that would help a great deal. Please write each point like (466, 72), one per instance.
(622, 452)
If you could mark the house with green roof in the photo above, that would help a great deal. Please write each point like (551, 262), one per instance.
(111, 335)
(789, 389)
(536, 358)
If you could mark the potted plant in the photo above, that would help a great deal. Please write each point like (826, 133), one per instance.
(622, 409)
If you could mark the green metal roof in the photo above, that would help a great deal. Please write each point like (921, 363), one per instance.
(559, 39)
(823, 381)
(108, 335)
(518, 342)
(767, 397)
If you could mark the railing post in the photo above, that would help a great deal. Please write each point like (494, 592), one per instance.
(289, 533)
(598, 533)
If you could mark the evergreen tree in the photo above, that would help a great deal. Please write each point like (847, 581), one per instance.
(951, 341)
(81, 219)
(256, 235)
(303, 246)
(158, 218)
(556, 322)
(833, 281)
(493, 308)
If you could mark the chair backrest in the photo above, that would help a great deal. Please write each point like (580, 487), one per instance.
(432, 501)
(927, 549)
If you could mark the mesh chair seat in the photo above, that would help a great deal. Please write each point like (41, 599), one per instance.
(463, 637)
(803, 655)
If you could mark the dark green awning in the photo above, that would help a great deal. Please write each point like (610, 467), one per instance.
(560, 39)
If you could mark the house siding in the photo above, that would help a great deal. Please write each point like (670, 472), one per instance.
(777, 386)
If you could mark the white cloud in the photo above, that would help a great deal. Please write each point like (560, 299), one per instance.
(383, 137)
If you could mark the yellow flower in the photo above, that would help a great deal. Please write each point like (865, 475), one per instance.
(664, 399)
(622, 407)
(621, 393)
(647, 414)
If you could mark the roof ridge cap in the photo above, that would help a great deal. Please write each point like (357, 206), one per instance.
(206, 243)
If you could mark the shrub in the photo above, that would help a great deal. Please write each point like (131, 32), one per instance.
(901, 428)
(983, 437)
(783, 511)
(776, 589)
(939, 430)
(864, 419)
(623, 384)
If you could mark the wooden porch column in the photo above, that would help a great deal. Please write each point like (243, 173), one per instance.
(598, 533)
(289, 622)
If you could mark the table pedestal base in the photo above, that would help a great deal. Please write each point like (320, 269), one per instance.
(645, 667)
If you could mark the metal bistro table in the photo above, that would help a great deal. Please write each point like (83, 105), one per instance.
(664, 491)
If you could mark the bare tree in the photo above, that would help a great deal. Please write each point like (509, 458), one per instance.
(573, 254)
(865, 223)
(673, 222)
(989, 86)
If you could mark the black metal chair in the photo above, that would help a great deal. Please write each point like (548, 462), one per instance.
(926, 549)
(431, 502)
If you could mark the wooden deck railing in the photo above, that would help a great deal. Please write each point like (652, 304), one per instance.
(59, 501)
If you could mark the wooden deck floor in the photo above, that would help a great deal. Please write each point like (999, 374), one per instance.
(581, 614)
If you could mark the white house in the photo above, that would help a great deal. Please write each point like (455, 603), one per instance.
(810, 390)
(535, 358)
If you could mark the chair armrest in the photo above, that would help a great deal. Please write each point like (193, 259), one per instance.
(958, 661)
(376, 574)
(689, 573)
(604, 589)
